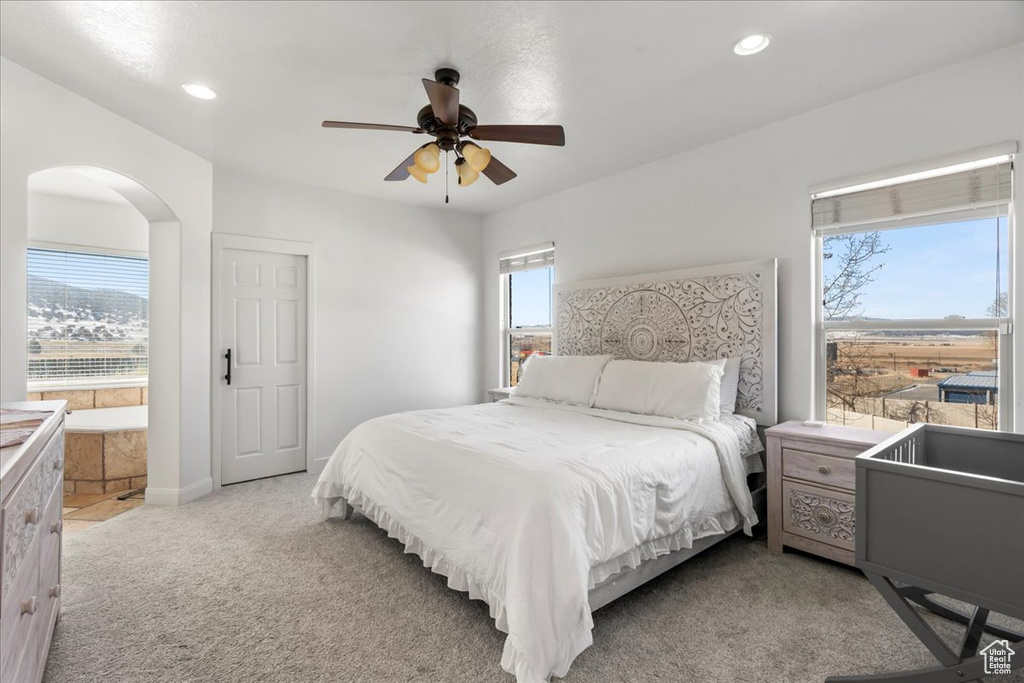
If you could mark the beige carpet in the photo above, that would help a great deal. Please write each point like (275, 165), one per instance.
(248, 585)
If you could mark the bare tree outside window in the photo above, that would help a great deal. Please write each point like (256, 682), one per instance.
(855, 262)
(999, 307)
(856, 257)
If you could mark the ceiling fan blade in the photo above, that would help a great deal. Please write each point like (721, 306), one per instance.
(444, 100)
(400, 172)
(534, 135)
(370, 126)
(498, 172)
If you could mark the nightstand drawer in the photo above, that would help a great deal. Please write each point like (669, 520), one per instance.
(823, 469)
(818, 514)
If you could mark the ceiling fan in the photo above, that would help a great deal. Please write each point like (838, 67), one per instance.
(450, 123)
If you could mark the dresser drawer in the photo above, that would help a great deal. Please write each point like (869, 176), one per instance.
(51, 533)
(22, 517)
(34, 661)
(818, 514)
(53, 465)
(17, 613)
(822, 469)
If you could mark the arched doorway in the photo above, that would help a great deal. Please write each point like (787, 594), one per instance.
(111, 346)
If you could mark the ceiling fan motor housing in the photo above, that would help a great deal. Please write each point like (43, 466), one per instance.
(428, 122)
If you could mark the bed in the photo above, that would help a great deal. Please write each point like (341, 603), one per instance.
(546, 510)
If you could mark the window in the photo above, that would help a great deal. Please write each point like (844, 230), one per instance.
(88, 318)
(915, 311)
(527, 276)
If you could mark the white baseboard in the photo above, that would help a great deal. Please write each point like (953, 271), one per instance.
(318, 465)
(172, 497)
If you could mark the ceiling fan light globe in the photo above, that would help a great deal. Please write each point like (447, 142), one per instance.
(476, 156)
(428, 159)
(417, 173)
(467, 174)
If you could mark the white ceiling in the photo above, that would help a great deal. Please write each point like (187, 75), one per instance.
(631, 82)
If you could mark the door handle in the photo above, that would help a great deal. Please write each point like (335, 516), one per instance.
(228, 376)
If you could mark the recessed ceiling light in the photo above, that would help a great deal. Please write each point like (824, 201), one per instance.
(199, 90)
(752, 44)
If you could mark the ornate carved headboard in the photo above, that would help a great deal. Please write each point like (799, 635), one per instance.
(684, 315)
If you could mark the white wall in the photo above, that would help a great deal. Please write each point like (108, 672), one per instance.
(746, 198)
(85, 222)
(44, 126)
(398, 312)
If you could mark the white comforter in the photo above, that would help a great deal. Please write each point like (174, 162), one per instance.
(528, 506)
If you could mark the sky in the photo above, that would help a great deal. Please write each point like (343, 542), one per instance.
(531, 297)
(934, 271)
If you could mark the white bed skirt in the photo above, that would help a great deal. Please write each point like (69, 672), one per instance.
(329, 497)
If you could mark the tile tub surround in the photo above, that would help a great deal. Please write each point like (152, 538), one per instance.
(87, 399)
(106, 450)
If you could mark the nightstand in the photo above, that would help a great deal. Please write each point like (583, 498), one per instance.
(499, 394)
(811, 478)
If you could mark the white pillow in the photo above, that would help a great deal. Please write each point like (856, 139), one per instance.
(730, 386)
(685, 391)
(566, 379)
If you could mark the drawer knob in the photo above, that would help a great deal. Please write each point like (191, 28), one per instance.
(32, 516)
(56, 527)
(823, 469)
(55, 591)
(29, 606)
(58, 464)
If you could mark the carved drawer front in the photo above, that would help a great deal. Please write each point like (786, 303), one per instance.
(21, 604)
(23, 515)
(818, 514)
(823, 469)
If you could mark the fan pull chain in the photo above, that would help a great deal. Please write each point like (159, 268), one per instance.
(446, 177)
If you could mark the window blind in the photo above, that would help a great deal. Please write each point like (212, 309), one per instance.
(88, 316)
(540, 256)
(902, 204)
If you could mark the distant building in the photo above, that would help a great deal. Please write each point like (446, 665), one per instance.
(920, 372)
(974, 387)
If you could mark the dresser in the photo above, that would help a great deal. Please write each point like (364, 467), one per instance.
(811, 481)
(30, 522)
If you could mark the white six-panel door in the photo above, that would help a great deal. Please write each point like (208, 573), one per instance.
(263, 323)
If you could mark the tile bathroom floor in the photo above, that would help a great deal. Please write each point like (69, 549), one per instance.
(84, 510)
